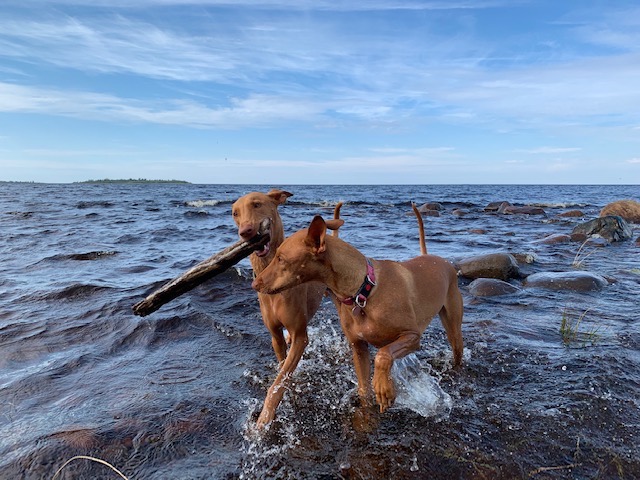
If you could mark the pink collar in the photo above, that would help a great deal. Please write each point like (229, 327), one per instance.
(359, 300)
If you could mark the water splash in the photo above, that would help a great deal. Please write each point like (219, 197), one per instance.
(418, 390)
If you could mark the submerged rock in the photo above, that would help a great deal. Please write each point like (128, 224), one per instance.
(491, 287)
(572, 281)
(507, 209)
(627, 209)
(493, 265)
(612, 228)
(571, 213)
(494, 206)
(555, 238)
(430, 206)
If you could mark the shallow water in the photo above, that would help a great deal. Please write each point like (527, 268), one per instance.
(176, 394)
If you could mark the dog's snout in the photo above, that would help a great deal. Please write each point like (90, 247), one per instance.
(256, 284)
(247, 231)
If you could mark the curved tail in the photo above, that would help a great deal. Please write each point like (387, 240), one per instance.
(336, 216)
(423, 243)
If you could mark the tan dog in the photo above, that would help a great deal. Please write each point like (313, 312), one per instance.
(393, 305)
(290, 310)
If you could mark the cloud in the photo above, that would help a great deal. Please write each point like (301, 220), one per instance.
(258, 67)
(634, 160)
(549, 150)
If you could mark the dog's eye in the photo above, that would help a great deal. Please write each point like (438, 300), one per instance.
(257, 204)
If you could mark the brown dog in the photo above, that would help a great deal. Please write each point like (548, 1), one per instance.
(389, 309)
(290, 310)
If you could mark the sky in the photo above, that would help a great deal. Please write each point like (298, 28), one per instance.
(288, 92)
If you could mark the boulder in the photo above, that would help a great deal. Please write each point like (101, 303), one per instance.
(526, 210)
(430, 206)
(572, 281)
(494, 206)
(491, 287)
(458, 212)
(493, 265)
(612, 228)
(571, 213)
(555, 238)
(627, 209)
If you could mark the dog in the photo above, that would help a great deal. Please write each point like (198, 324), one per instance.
(389, 309)
(290, 310)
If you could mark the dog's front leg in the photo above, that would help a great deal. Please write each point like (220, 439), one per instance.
(362, 365)
(274, 396)
(382, 382)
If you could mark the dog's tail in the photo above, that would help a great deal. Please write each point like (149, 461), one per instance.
(423, 243)
(336, 216)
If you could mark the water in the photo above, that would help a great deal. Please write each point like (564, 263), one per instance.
(176, 394)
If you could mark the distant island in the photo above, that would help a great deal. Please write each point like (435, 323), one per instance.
(132, 180)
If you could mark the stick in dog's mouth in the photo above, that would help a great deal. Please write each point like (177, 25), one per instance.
(264, 229)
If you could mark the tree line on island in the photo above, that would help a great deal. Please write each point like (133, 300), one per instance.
(132, 180)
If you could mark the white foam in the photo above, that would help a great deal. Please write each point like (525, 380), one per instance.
(202, 203)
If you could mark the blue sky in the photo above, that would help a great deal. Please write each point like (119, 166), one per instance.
(317, 91)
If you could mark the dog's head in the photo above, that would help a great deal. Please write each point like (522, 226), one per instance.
(251, 209)
(299, 259)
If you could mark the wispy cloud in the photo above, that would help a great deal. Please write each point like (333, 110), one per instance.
(549, 150)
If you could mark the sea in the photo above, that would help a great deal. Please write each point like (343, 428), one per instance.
(549, 387)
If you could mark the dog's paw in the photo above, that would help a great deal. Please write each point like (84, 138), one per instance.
(385, 392)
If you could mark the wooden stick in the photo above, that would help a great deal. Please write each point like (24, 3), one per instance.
(203, 271)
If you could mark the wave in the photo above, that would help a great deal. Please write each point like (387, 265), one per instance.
(74, 292)
(203, 203)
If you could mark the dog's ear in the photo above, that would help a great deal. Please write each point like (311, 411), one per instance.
(279, 196)
(334, 224)
(316, 233)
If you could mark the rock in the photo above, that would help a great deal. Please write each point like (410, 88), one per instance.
(493, 265)
(526, 210)
(478, 231)
(491, 287)
(571, 213)
(571, 281)
(430, 206)
(627, 209)
(612, 228)
(494, 206)
(555, 238)
(526, 258)
(458, 212)
(430, 213)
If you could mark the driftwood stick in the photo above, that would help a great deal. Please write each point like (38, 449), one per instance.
(203, 271)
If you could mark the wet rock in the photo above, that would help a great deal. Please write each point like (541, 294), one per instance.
(571, 281)
(612, 228)
(627, 209)
(493, 265)
(458, 212)
(526, 258)
(478, 231)
(91, 255)
(494, 206)
(525, 210)
(491, 287)
(555, 239)
(430, 213)
(430, 206)
(571, 213)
